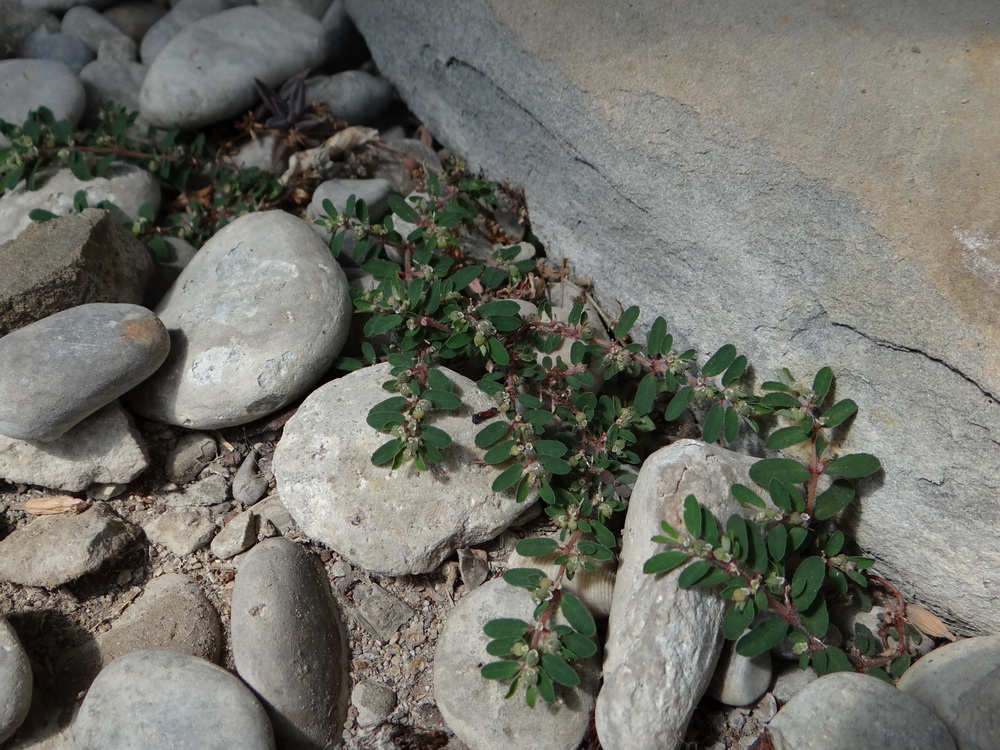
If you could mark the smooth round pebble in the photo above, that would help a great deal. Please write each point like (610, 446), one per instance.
(256, 317)
(354, 96)
(62, 47)
(15, 681)
(740, 680)
(26, 85)
(850, 711)
(166, 700)
(60, 369)
(373, 702)
(289, 644)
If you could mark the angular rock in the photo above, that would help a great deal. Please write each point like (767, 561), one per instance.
(391, 521)
(125, 186)
(192, 453)
(166, 699)
(847, 711)
(256, 318)
(105, 448)
(354, 96)
(70, 261)
(960, 684)
(205, 72)
(53, 550)
(381, 613)
(675, 165)
(15, 681)
(181, 530)
(663, 640)
(475, 708)
(239, 535)
(26, 85)
(272, 510)
(289, 644)
(63, 368)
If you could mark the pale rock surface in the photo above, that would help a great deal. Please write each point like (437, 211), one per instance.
(354, 96)
(238, 535)
(475, 709)
(374, 702)
(182, 13)
(739, 680)
(15, 681)
(664, 641)
(181, 530)
(89, 26)
(26, 85)
(393, 522)
(116, 77)
(192, 453)
(810, 179)
(848, 711)
(59, 46)
(105, 448)
(255, 318)
(53, 550)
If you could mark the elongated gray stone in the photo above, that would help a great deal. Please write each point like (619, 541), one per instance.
(60, 369)
(15, 681)
(663, 641)
(289, 644)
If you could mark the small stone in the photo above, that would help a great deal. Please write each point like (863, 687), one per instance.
(790, 680)
(89, 26)
(249, 485)
(289, 644)
(847, 711)
(181, 530)
(63, 368)
(340, 569)
(18, 23)
(381, 613)
(740, 680)
(473, 567)
(166, 699)
(354, 96)
(211, 490)
(114, 77)
(15, 681)
(374, 702)
(272, 510)
(185, 461)
(65, 48)
(53, 550)
(375, 193)
(135, 18)
(237, 536)
(26, 85)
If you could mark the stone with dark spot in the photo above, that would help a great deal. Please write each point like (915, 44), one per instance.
(59, 370)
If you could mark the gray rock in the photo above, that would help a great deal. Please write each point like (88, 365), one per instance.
(205, 72)
(379, 612)
(211, 490)
(125, 186)
(289, 644)
(135, 18)
(848, 618)
(692, 184)
(475, 709)
(115, 77)
(656, 681)
(105, 448)
(263, 152)
(739, 680)
(375, 193)
(18, 23)
(161, 700)
(789, 680)
(847, 711)
(53, 550)
(249, 485)
(58, 370)
(69, 261)
(65, 48)
(89, 26)
(960, 684)
(182, 14)
(15, 681)
(394, 522)
(354, 96)
(272, 511)
(257, 317)
(373, 702)
(165, 272)
(314, 8)
(237, 536)
(26, 85)
(192, 453)
(396, 171)
(181, 530)
(60, 6)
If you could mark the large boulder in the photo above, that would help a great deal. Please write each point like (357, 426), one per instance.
(807, 184)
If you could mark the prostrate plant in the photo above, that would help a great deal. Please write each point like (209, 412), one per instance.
(781, 567)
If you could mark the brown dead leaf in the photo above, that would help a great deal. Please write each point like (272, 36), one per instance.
(303, 162)
(51, 505)
(928, 623)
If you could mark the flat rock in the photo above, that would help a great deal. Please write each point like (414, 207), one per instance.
(475, 708)
(105, 448)
(205, 72)
(847, 711)
(58, 370)
(394, 522)
(15, 681)
(181, 530)
(125, 186)
(53, 550)
(255, 319)
(70, 261)
(664, 641)
(289, 644)
(165, 700)
(211, 490)
(238, 535)
(26, 85)
(960, 684)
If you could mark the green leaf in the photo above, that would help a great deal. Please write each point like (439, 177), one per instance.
(787, 436)
(434, 436)
(540, 546)
(816, 618)
(655, 338)
(784, 469)
(581, 646)
(853, 466)
(821, 384)
(549, 448)
(443, 399)
(768, 634)
(525, 578)
(383, 269)
(491, 433)
(807, 580)
(383, 420)
(692, 516)
(879, 673)
(545, 689)
(40, 214)
(731, 426)
(831, 659)
(500, 670)
(499, 453)
(694, 572)
(736, 621)
(554, 465)
(577, 615)
(734, 372)
(403, 209)
(384, 323)
(387, 452)
(506, 627)
(835, 543)
(645, 395)
(680, 401)
(899, 665)
(502, 646)
(507, 478)
(719, 361)
(832, 500)
(664, 562)
(839, 412)
(797, 536)
(625, 322)
(498, 308)
(497, 351)
(777, 543)
(713, 423)
(559, 670)
(747, 497)
(780, 400)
